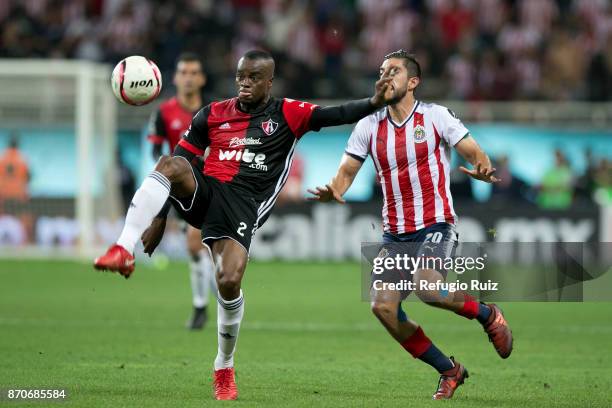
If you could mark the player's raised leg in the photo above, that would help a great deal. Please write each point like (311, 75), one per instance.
(171, 175)
(489, 316)
(387, 308)
(230, 260)
(201, 276)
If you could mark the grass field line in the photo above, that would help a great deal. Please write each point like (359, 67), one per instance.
(284, 325)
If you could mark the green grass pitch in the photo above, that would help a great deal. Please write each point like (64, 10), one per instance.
(307, 340)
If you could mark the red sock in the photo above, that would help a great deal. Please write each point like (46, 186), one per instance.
(417, 343)
(470, 307)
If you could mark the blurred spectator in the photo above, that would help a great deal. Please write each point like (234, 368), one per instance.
(600, 74)
(492, 14)
(510, 188)
(585, 184)
(603, 182)
(462, 72)
(526, 67)
(81, 39)
(556, 189)
(333, 43)
(303, 41)
(280, 17)
(497, 79)
(484, 49)
(515, 36)
(538, 14)
(124, 33)
(453, 21)
(565, 66)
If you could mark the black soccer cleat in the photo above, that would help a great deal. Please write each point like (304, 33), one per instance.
(198, 319)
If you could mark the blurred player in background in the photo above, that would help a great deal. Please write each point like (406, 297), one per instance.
(14, 173)
(14, 190)
(409, 142)
(252, 139)
(167, 125)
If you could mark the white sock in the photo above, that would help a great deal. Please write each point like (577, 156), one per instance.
(195, 274)
(200, 273)
(229, 316)
(146, 204)
(207, 268)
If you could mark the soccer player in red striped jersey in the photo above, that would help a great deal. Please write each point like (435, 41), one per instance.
(167, 125)
(251, 138)
(409, 142)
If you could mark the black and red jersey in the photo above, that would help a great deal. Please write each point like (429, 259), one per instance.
(251, 151)
(168, 123)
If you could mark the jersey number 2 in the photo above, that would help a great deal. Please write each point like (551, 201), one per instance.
(241, 228)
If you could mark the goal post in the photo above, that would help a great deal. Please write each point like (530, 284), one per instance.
(64, 114)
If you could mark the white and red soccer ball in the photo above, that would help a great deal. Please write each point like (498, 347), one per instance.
(136, 80)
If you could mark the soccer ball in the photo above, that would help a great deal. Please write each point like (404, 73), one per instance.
(136, 80)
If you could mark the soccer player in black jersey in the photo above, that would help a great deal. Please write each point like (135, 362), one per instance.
(251, 140)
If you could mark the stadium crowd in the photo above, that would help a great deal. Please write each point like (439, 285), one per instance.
(469, 49)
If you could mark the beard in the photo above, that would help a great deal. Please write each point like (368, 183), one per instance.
(398, 95)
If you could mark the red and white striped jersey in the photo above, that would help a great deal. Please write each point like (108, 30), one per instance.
(412, 160)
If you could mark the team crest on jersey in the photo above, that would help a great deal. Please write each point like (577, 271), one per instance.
(176, 124)
(419, 134)
(269, 126)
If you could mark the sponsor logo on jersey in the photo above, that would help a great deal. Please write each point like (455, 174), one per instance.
(419, 134)
(237, 141)
(254, 160)
(269, 126)
(225, 126)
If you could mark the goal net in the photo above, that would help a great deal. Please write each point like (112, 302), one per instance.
(59, 185)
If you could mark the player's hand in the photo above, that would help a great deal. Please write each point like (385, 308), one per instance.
(153, 235)
(481, 172)
(325, 194)
(383, 92)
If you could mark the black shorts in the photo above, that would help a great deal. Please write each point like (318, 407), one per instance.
(218, 210)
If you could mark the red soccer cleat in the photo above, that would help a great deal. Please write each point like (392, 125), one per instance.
(225, 384)
(450, 380)
(499, 332)
(116, 259)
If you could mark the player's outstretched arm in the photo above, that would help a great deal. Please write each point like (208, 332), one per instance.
(349, 167)
(352, 111)
(483, 169)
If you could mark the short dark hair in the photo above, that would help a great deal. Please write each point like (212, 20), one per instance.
(190, 57)
(410, 62)
(255, 55)
(258, 54)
